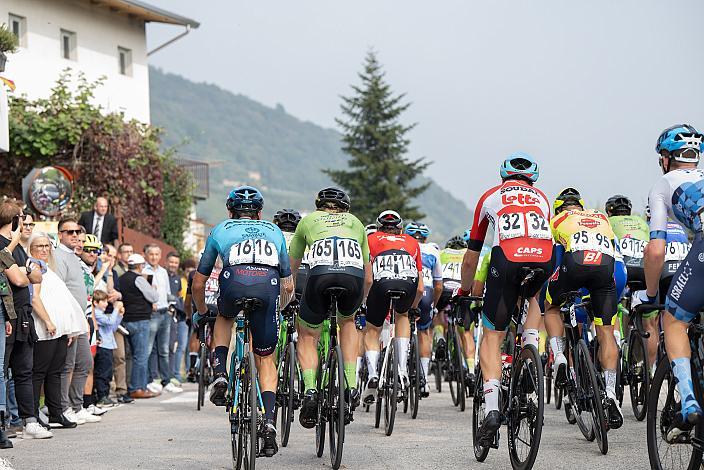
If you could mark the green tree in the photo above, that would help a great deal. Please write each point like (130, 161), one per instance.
(380, 176)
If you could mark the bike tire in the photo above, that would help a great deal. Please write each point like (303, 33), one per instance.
(336, 406)
(557, 392)
(583, 420)
(662, 405)
(548, 381)
(452, 373)
(235, 440)
(322, 410)
(638, 374)
(478, 414)
(391, 389)
(460, 371)
(529, 383)
(289, 392)
(590, 385)
(414, 372)
(620, 384)
(202, 357)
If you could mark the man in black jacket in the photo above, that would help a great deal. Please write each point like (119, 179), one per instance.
(100, 223)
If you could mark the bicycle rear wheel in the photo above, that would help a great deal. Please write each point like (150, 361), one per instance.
(548, 379)
(287, 392)
(336, 406)
(249, 414)
(203, 359)
(663, 404)
(639, 374)
(322, 412)
(594, 404)
(478, 414)
(415, 374)
(525, 425)
(458, 361)
(391, 389)
(452, 371)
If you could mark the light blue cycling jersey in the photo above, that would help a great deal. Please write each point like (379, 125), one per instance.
(246, 241)
(432, 269)
(678, 194)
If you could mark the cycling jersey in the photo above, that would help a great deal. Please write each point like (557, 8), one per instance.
(632, 233)
(585, 231)
(245, 241)
(302, 274)
(451, 261)
(520, 215)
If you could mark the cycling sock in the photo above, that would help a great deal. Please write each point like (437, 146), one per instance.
(309, 379)
(610, 380)
(470, 363)
(192, 360)
(491, 394)
(220, 359)
(403, 353)
(350, 374)
(557, 345)
(531, 336)
(269, 401)
(372, 360)
(682, 370)
(425, 364)
(438, 332)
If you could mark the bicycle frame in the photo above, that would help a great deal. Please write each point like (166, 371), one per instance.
(242, 348)
(392, 334)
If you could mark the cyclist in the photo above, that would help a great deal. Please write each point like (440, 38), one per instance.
(520, 214)
(631, 232)
(369, 229)
(255, 263)
(287, 220)
(432, 284)
(588, 262)
(396, 265)
(338, 257)
(678, 194)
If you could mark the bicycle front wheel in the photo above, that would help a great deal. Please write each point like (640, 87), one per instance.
(287, 392)
(203, 359)
(592, 392)
(478, 414)
(415, 373)
(525, 425)
(391, 389)
(337, 406)
(639, 374)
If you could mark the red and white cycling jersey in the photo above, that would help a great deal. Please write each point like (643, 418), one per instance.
(520, 216)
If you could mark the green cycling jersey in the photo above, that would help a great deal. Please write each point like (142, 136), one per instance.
(630, 226)
(483, 270)
(320, 225)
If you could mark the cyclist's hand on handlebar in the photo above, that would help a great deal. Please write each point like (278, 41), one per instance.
(644, 298)
(196, 318)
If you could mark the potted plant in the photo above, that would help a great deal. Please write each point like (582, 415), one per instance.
(8, 44)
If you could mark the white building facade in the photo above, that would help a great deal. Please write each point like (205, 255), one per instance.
(101, 38)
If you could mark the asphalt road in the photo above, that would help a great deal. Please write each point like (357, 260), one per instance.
(168, 432)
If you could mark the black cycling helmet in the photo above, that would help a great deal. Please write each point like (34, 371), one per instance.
(456, 243)
(389, 219)
(618, 205)
(568, 196)
(245, 199)
(287, 219)
(333, 195)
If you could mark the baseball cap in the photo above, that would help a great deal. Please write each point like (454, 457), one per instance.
(135, 259)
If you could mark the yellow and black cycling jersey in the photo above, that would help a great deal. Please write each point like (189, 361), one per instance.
(584, 230)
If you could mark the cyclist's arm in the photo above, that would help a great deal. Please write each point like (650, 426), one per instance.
(437, 291)
(368, 278)
(655, 250)
(469, 267)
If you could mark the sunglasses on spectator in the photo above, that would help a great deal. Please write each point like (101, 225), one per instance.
(71, 232)
(30, 225)
(91, 251)
(43, 247)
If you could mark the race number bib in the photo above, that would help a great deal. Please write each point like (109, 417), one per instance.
(394, 266)
(531, 225)
(329, 251)
(254, 251)
(676, 251)
(452, 271)
(427, 277)
(590, 241)
(631, 247)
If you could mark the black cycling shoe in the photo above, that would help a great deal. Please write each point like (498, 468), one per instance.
(352, 396)
(440, 349)
(679, 428)
(370, 391)
(561, 375)
(219, 390)
(488, 428)
(614, 415)
(270, 448)
(309, 409)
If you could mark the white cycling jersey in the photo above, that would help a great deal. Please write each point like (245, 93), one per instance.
(680, 195)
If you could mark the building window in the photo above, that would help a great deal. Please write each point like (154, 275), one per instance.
(18, 26)
(68, 45)
(124, 61)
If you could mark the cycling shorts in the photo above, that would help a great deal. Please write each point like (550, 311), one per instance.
(378, 300)
(686, 297)
(445, 297)
(315, 303)
(598, 279)
(301, 280)
(253, 281)
(503, 287)
(426, 309)
(635, 269)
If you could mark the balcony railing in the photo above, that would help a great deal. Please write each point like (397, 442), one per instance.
(200, 173)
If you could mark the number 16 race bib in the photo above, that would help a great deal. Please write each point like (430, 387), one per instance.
(256, 251)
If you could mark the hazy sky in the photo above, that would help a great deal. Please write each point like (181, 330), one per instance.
(585, 87)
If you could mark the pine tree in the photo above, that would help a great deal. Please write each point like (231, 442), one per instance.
(379, 177)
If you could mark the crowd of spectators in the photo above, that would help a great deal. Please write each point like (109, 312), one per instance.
(89, 324)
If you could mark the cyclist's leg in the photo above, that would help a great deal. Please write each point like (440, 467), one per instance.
(423, 323)
(377, 306)
(467, 338)
(347, 306)
(440, 322)
(558, 285)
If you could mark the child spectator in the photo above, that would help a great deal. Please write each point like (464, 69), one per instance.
(107, 325)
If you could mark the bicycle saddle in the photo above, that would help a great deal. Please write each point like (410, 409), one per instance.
(396, 294)
(335, 291)
(528, 274)
(249, 303)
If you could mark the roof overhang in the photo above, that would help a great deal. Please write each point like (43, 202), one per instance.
(146, 12)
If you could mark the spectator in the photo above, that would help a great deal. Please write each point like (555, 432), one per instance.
(189, 267)
(123, 254)
(7, 313)
(55, 312)
(99, 223)
(78, 357)
(107, 323)
(161, 320)
(27, 229)
(179, 329)
(139, 298)
(111, 277)
(19, 352)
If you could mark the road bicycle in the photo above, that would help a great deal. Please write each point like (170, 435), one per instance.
(456, 362)
(204, 368)
(416, 379)
(290, 381)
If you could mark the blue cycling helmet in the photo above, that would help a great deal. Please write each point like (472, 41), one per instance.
(681, 136)
(467, 235)
(245, 198)
(520, 164)
(416, 230)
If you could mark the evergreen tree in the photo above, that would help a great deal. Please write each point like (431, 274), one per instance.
(379, 177)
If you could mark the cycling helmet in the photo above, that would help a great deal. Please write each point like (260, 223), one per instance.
(520, 164)
(618, 205)
(245, 198)
(333, 195)
(92, 243)
(417, 230)
(568, 196)
(681, 136)
(287, 218)
(369, 229)
(456, 243)
(389, 219)
(467, 235)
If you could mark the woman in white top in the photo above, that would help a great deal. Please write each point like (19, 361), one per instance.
(57, 318)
